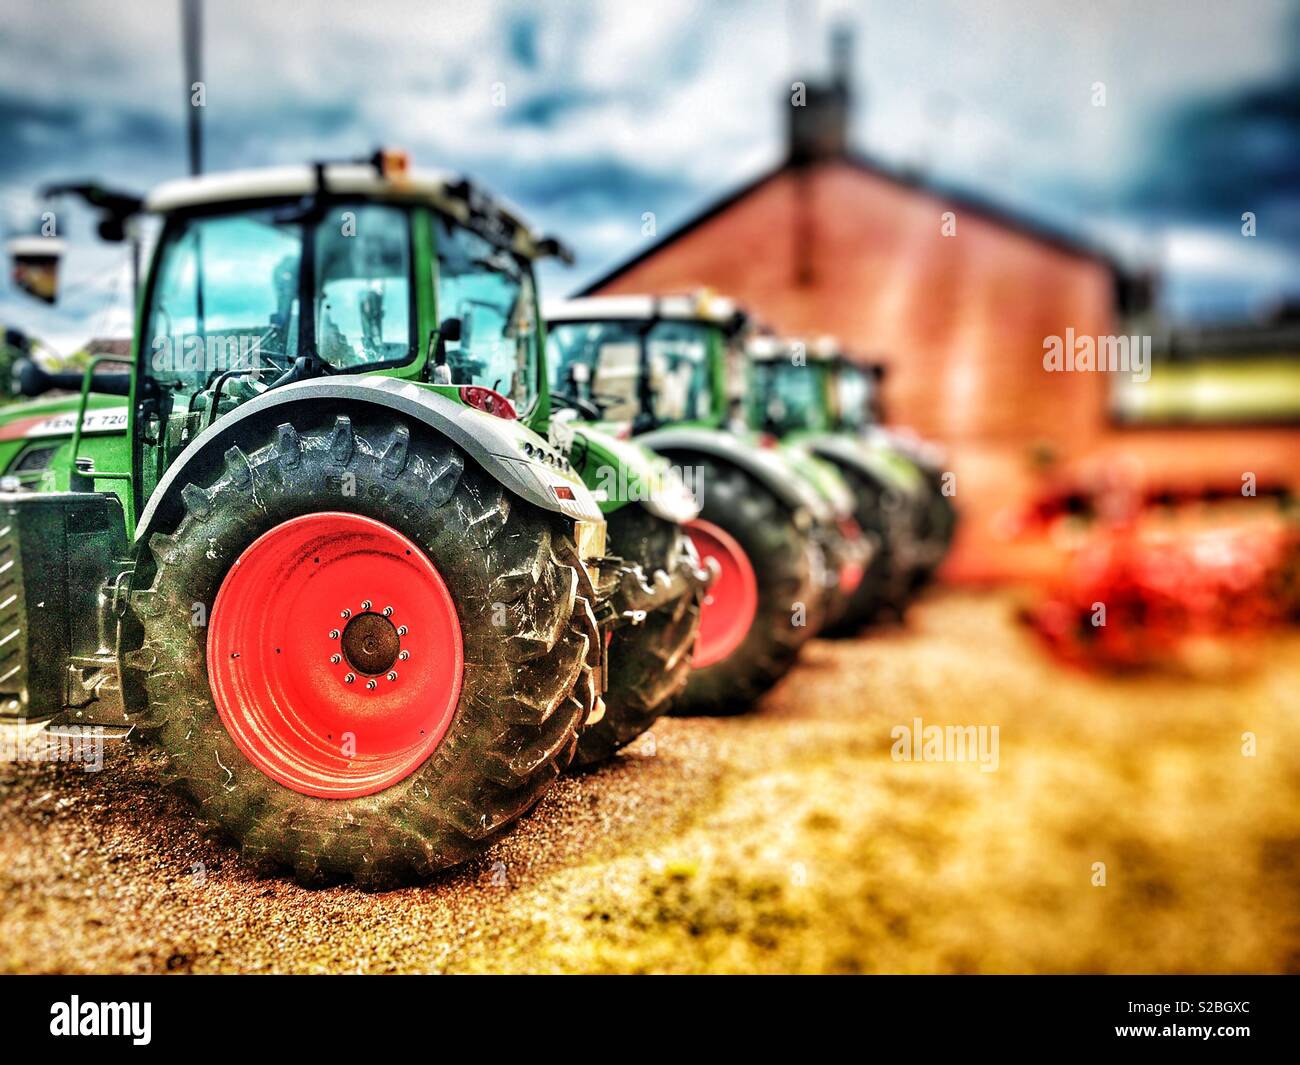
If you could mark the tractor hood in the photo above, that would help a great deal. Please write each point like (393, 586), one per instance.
(57, 417)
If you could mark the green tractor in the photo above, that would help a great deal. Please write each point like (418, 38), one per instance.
(854, 394)
(814, 397)
(320, 543)
(664, 371)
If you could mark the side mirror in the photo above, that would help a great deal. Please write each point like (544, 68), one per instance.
(552, 247)
(34, 263)
(449, 331)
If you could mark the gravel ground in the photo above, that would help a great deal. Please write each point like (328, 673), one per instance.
(789, 840)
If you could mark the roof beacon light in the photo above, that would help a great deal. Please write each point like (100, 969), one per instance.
(394, 164)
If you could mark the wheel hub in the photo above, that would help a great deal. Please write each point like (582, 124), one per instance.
(371, 644)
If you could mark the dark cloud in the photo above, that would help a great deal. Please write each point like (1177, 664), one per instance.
(521, 37)
(1218, 156)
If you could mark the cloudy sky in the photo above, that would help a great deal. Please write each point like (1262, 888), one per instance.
(612, 109)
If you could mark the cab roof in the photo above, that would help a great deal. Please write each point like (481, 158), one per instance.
(690, 307)
(765, 347)
(449, 193)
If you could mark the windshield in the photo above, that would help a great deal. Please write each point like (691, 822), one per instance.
(227, 294)
(491, 291)
(854, 396)
(363, 286)
(786, 396)
(225, 298)
(602, 363)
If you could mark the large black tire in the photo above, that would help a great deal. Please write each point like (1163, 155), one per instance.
(649, 663)
(839, 551)
(885, 517)
(788, 566)
(527, 686)
(938, 526)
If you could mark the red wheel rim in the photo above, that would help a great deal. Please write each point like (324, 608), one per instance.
(313, 602)
(732, 600)
(852, 570)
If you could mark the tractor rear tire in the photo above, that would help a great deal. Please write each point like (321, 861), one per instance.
(787, 567)
(887, 517)
(938, 527)
(650, 663)
(527, 655)
(845, 551)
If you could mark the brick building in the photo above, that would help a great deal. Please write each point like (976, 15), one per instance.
(956, 297)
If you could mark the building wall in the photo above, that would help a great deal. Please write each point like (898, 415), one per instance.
(960, 322)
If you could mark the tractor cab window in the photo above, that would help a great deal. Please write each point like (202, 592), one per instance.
(625, 369)
(491, 291)
(363, 269)
(787, 396)
(678, 365)
(224, 299)
(225, 315)
(596, 363)
(854, 397)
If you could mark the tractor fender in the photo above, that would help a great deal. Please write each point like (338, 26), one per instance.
(495, 444)
(862, 458)
(767, 466)
(627, 472)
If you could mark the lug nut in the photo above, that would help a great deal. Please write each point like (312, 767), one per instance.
(349, 678)
(404, 655)
(345, 614)
(401, 630)
(371, 685)
(335, 659)
(365, 605)
(392, 675)
(334, 634)
(388, 611)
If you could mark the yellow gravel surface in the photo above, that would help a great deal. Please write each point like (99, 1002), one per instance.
(785, 841)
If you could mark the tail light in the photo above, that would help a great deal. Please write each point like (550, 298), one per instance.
(488, 401)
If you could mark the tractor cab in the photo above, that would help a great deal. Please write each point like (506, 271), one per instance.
(264, 278)
(854, 394)
(641, 362)
(789, 386)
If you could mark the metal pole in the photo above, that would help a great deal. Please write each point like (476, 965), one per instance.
(192, 32)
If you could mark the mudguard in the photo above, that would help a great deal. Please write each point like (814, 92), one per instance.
(623, 472)
(859, 455)
(926, 455)
(824, 476)
(765, 465)
(494, 443)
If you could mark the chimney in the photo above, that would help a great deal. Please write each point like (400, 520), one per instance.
(819, 114)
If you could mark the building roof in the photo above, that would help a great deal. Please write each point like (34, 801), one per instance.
(961, 200)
